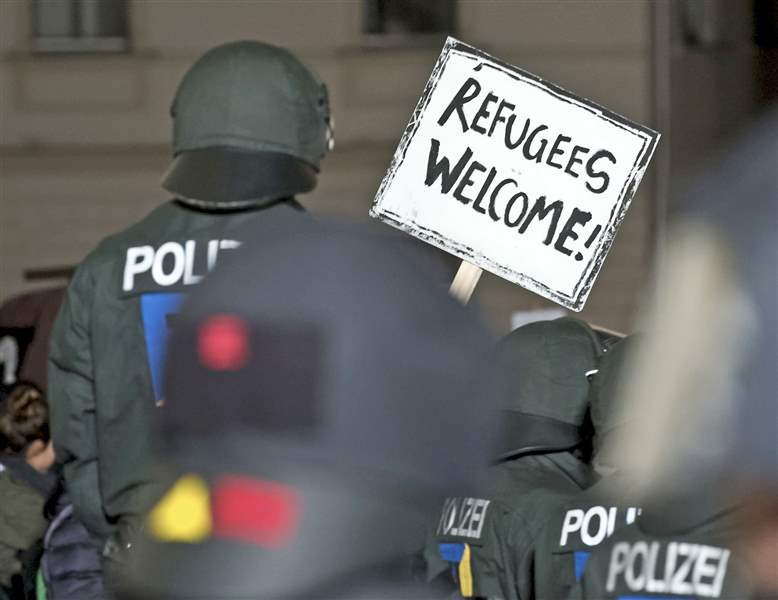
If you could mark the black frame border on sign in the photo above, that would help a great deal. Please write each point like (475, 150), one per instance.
(577, 299)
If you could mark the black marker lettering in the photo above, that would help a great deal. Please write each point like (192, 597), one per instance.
(489, 178)
(482, 113)
(541, 210)
(599, 174)
(442, 169)
(498, 118)
(537, 156)
(575, 161)
(577, 217)
(555, 150)
(509, 206)
(493, 213)
(467, 182)
(469, 90)
(509, 128)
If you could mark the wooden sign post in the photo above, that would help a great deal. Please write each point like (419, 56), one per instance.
(465, 281)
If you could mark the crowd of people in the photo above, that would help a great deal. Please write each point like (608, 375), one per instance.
(243, 401)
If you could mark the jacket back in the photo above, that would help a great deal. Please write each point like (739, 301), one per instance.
(108, 348)
(573, 531)
(698, 562)
(486, 543)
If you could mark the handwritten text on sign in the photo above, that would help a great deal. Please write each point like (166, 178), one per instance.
(514, 174)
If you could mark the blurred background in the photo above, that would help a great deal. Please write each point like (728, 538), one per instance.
(86, 85)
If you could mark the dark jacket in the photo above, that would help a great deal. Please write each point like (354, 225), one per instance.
(572, 532)
(22, 524)
(107, 350)
(487, 543)
(696, 560)
(590, 517)
(70, 565)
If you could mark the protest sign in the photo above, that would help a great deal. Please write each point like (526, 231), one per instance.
(514, 174)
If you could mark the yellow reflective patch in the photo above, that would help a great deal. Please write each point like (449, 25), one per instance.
(465, 574)
(184, 513)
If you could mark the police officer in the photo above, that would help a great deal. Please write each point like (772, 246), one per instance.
(485, 542)
(661, 556)
(590, 517)
(334, 389)
(251, 124)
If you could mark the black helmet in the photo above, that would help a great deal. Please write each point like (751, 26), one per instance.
(543, 374)
(251, 124)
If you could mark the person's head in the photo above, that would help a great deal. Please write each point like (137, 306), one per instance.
(250, 126)
(543, 371)
(24, 426)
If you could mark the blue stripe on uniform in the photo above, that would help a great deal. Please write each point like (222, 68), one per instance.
(155, 309)
(580, 563)
(451, 552)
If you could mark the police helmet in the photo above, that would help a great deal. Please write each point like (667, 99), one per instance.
(250, 125)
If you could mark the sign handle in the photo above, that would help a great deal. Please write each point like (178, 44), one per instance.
(465, 281)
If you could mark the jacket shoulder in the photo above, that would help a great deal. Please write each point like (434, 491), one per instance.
(138, 232)
(21, 510)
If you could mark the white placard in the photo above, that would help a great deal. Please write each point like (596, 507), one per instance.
(514, 174)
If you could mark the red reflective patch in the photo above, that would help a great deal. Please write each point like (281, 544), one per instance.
(259, 512)
(223, 343)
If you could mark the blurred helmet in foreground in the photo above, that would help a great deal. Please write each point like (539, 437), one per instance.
(705, 378)
(318, 403)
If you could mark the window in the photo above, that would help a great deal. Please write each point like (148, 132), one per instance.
(404, 18)
(79, 25)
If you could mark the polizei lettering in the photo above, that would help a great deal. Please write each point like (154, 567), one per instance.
(672, 568)
(593, 525)
(463, 517)
(173, 263)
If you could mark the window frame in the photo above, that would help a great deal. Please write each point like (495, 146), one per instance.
(77, 43)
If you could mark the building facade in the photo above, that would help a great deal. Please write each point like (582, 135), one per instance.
(84, 129)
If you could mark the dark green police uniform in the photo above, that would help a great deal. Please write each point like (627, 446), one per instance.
(485, 544)
(250, 126)
(571, 533)
(643, 562)
(673, 549)
(491, 560)
(107, 349)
